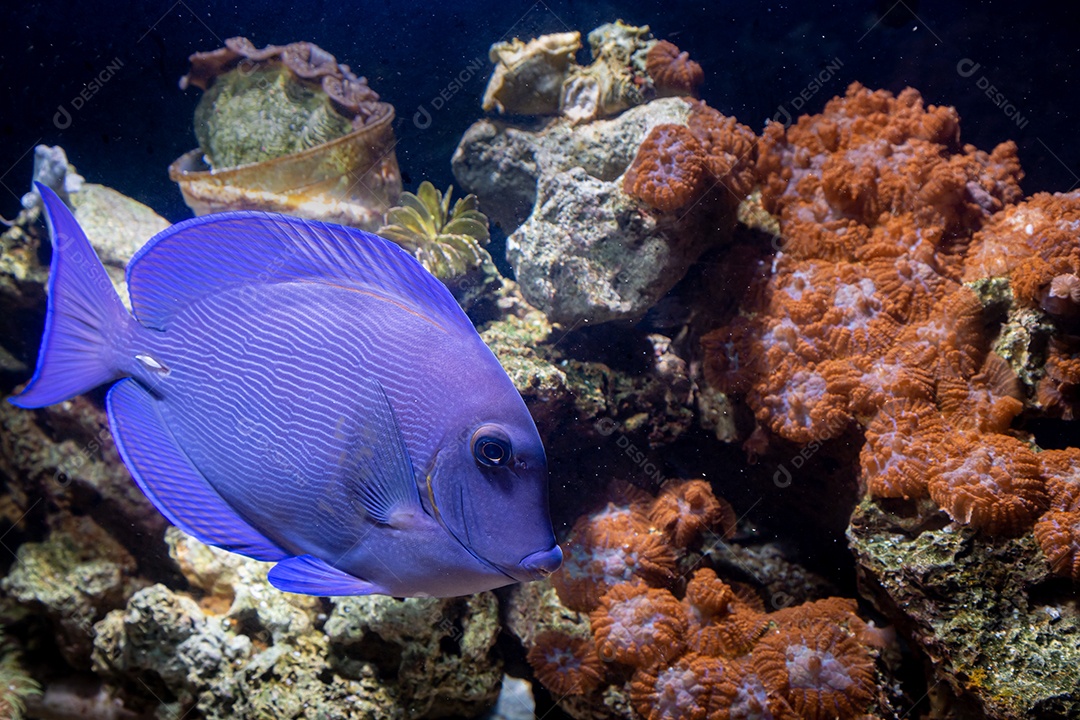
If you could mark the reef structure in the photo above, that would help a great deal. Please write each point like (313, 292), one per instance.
(605, 216)
(917, 302)
(675, 640)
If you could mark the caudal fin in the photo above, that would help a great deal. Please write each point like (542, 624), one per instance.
(85, 319)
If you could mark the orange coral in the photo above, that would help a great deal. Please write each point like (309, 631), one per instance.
(672, 71)
(1061, 468)
(730, 359)
(610, 547)
(899, 444)
(991, 482)
(566, 665)
(722, 623)
(987, 403)
(818, 667)
(795, 402)
(638, 625)
(1035, 243)
(1059, 391)
(684, 689)
(1058, 534)
(868, 383)
(870, 154)
(742, 696)
(733, 635)
(708, 596)
(668, 171)
(686, 509)
(730, 149)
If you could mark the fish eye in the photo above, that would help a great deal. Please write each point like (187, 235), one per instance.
(491, 447)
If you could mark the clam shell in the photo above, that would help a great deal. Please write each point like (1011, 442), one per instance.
(351, 180)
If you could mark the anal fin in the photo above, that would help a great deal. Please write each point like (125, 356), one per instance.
(163, 472)
(308, 575)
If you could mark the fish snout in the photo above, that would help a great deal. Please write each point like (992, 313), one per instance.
(541, 564)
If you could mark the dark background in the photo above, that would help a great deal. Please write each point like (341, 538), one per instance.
(757, 57)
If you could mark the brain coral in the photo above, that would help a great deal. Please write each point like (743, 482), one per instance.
(871, 155)
(1036, 244)
(1058, 392)
(730, 149)
(566, 665)
(742, 696)
(992, 482)
(638, 625)
(1058, 534)
(609, 547)
(987, 402)
(709, 597)
(684, 689)
(672, 71)
(1061, 468)
(668, 171)
(688, 508)
(900, 441)
(818, 667)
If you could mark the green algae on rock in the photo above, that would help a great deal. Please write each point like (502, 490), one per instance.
(995, 628)
(236, 647)
(293, 116)
(75, 576)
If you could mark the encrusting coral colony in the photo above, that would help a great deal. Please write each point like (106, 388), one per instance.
(900, 260)
(890, 300)
(688, 644)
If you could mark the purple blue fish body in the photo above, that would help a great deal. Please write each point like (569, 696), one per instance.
(305, 394)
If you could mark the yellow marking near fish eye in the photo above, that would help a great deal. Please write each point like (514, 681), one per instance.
(431, 498)
(383, 298)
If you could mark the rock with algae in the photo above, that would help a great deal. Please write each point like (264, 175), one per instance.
(528, 77)
(74, 577)
(995, 628)
(503, 163)
(578, 400)
(541, 77)
(439, 651)
(586, 253)
(236, 647)
(615, 80)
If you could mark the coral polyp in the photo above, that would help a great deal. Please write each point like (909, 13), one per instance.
(449, 242)
(566, 665)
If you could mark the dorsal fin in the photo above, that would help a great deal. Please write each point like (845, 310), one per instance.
(207, 255)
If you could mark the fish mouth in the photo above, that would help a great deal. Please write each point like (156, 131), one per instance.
(539, 565)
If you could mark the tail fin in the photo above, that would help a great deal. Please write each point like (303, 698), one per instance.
(85, 317)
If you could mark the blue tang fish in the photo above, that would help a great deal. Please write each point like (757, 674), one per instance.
(306, 394)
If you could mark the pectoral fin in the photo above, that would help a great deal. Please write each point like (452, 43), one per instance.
(308, 575)
(377, 469)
